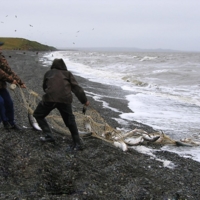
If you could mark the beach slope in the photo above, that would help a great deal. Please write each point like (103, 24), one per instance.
(30, 169)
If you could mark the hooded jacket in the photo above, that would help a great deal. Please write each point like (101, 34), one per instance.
(6, 74)
(59, 83)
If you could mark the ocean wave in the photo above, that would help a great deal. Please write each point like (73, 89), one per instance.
(148, 58)
(135, 82)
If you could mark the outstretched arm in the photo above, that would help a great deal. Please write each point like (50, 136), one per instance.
(78, 90)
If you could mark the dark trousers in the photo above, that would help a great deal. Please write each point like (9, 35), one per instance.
(44, 108)
(6, 107)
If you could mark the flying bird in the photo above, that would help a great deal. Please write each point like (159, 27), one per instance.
(30, 25)
(16, 16)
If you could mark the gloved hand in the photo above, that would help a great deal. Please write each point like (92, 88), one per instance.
(84, 109)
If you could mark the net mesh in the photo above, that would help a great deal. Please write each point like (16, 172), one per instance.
(91, 122)
(94, 124)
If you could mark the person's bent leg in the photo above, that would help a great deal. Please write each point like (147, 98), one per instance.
(41, 111)
(3, 117)
(2, 110)
(8, 121)
(69, 120)
(9, 107)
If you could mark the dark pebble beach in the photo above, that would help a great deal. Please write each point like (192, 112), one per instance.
(30, 169)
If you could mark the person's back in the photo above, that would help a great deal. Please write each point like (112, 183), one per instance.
(58, 83)
(58, 87)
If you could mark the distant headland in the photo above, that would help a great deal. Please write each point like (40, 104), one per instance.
(24, 44)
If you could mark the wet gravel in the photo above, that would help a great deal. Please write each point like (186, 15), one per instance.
(30, 169)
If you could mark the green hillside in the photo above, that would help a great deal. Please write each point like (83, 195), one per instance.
(23, 44)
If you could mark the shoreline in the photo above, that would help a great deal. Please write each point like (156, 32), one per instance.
(101, 171)
(114, 100)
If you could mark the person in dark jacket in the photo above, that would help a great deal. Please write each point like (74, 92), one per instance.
(6, 103)
(58, 85)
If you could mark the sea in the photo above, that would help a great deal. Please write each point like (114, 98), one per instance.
(163, 87)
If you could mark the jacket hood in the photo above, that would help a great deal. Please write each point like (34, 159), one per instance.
(58, 64)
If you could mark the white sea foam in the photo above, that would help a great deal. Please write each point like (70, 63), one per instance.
(99, 98)
(148, 58)
(150, 152)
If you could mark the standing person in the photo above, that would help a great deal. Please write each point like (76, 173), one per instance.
(6, 103)
(58, 85)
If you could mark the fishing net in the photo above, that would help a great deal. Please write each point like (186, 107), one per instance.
(90, 123)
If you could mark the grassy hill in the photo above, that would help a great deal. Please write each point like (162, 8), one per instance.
(23, 44)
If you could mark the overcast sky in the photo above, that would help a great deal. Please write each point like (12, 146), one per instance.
(148, 24)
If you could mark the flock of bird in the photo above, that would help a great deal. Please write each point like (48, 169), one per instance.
(16, 17)
(32, 26)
